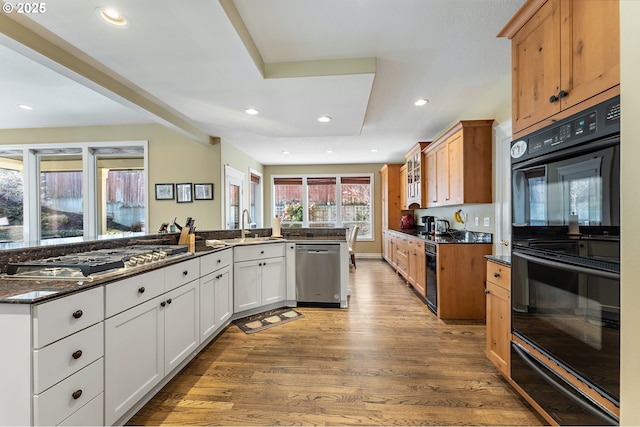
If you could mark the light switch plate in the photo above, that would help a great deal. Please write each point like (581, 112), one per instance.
(487, 221)
(476, 221)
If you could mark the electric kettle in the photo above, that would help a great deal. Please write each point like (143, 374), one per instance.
(442, 225)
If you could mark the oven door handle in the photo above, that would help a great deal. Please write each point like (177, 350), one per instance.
(524, 355)
(568, 267)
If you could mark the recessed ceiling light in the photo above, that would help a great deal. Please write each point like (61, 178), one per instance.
(422, 101)
(324, 119)
(251, 111)
(25, 107)
(374, 150)
(113, 17)
(329, 151)
(285, 152)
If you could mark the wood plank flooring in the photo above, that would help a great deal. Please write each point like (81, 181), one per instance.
(385, 360)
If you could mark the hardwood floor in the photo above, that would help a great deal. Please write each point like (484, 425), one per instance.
(385, 360)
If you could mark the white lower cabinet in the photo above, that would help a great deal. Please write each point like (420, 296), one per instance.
(258, 276)
(145, 343)
(134, 357)
(216, 301)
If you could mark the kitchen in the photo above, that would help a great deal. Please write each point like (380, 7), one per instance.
(207, 161)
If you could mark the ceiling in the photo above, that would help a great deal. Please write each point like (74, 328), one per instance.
(198, 65)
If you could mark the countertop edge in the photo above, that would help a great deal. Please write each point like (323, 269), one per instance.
(500, 259)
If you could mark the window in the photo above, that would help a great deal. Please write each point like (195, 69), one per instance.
(50, 191)
(325, 201)
(255, 198)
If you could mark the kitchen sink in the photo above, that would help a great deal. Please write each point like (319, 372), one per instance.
(249, 240)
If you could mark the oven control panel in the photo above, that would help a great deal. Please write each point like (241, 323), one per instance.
(600, 121)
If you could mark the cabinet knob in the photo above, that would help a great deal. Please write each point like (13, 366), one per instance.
(162, 304)
(504, 242)
(496, 274)
(141, 290)
(169, 301)
(76, 394)
(562, 94)
(219, 261)
(261, 252)
(553, 99)
(184, 273)
(487, 291)
(77, 354)
(77, 314)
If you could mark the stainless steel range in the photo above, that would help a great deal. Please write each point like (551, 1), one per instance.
(86, 266)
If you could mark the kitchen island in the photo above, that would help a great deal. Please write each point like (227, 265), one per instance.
(72, 340)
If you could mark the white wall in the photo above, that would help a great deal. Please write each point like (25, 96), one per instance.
(630, 175)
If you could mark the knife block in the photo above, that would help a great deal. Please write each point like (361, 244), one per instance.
(187, 239)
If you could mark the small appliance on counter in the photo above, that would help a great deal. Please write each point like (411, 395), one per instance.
(407, 221)
(442, 227)
(429, 224)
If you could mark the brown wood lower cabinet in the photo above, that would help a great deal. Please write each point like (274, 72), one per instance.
(461, 271)
(499, 316)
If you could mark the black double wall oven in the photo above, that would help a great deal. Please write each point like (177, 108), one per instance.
(565, 266)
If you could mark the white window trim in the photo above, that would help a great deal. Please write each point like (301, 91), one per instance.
(231, 174)
(305, 198)
(259, 220)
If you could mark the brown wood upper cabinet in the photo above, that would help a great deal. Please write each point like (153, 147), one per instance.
(391, 199)
(414, 180)
(564, 53)
(459, 165)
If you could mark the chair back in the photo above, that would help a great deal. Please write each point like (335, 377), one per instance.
(353, 237)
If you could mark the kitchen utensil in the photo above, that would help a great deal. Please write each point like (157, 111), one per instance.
(442, 226)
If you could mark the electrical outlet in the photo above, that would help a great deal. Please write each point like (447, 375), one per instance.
(487, 221)
(476, 221)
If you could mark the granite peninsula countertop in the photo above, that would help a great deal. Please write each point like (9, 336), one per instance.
(28, 291)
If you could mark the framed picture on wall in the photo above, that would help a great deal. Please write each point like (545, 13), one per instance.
(164, 192)
(203, 191)
(183, 193)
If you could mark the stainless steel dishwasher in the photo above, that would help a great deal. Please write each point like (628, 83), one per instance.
(318, 274)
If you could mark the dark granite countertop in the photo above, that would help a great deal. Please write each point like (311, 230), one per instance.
(500, 259)
(453, 237)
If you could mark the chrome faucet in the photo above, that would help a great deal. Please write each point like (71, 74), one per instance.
(245, 232)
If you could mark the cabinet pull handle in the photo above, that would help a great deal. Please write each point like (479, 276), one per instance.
(162, 304)
(141, 290)
(77, 354)
(169, 301)
(76, 394)
(562, 94)
(496, 274)
(184, 273)
(77, 314)
(487, 291)
(553, 99)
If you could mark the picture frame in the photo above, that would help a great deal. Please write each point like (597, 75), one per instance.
(183, 193)
(164, 192)
(203, 191)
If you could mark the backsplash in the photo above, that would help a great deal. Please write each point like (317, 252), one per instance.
(481, 211)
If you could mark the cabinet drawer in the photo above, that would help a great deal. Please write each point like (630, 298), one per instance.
(65, 398)
(253, 252)
(122, 295)
(89, 415)
(180, 274)
(215, 261)
(499, 274)
(65, 316)
(57, 361)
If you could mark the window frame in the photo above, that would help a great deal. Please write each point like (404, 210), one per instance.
(338, 177)
(90, 152)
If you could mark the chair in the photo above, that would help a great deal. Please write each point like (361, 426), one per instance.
(353, 239)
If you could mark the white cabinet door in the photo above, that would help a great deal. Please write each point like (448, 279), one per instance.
(223, 298)
(290, 265)
(273, 280)
(134, 356)
(247, 292)
(181, 324)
